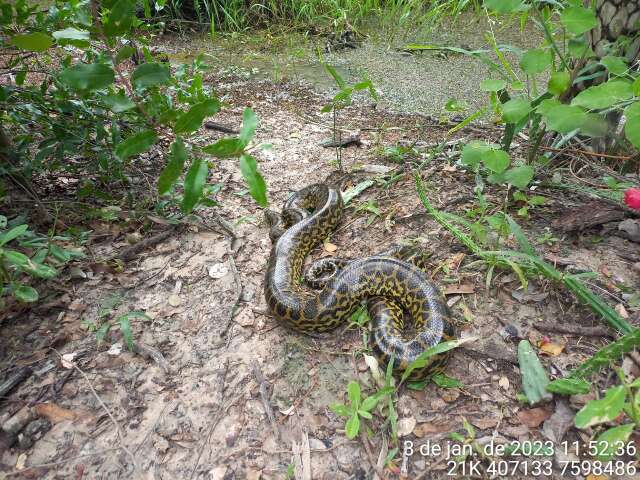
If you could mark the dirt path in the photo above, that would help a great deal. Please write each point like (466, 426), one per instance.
(121, 415)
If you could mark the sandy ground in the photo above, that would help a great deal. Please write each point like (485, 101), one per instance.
(198, 413)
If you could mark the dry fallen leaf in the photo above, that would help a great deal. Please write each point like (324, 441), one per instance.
(591, 476)
(504, 383)
(330, 247)
(551, 349)
(620, 310)
(174, 300)
(449, 168)
(485, 422)
(450, 395)
(533, 417)
(289, 411)
(253, 474)
(406, 426)
(56, 414)
(67, 360)
(427, 428)
(465, 288)
(218, 270)
(454, 262)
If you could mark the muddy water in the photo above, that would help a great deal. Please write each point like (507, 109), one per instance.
(421, 82)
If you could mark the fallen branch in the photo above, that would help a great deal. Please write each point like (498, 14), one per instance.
(218, 127)
(130, 252)
(15, 379)
(574, 330)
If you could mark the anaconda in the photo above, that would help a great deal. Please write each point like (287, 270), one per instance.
(389, 284)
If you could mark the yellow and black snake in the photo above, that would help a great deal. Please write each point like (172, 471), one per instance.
(391, 282)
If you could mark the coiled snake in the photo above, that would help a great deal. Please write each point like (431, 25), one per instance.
(391, 282)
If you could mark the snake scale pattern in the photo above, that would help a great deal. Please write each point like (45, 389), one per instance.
(391, 283)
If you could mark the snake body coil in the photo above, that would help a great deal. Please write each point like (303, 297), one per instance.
(387, 283)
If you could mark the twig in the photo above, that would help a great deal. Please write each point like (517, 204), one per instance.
(61, 462)
(575, 330)
(586, 152)
(262, 383)
(367, 448)
(234, 306)
(209, 125)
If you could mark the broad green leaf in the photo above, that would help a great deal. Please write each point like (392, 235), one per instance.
(32, 42)
(25, 293)
(12, 234)
(535, 61)
(519, 176)
(172, 171)
(125, 326)
(353, 393)
(632, 126)
(16, 258)
(547, 105)
(352, 426)
(579, 48)
(224, 148)
(534, 376)
(340, 409)
(191, 120)
(40, 270)
(610, 441)
(505, 6)
(474, 152)
(120, 18)
(635, 86)
(365, 414)
(253, 178)
(444, 381)
(604, 95)
(125, 329)
(136, 144)
(564, 118)
(615, 65)
(424, 357)
(370, 402)
(92, 76)
(249, 125)
(118, 103)
(569, 386)
(124, 53)
(455, 105)
(101, 333)
(194, 183)
(515, 110)
(73, 36)
(559, 82)
(496, 160)
(603, 410)
(595, 125)
(492, 85)
(578, 19)
(150, 74)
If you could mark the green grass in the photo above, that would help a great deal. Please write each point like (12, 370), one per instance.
(238, 15)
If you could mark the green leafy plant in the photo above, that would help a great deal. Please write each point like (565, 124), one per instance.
(370, 207)
(26, 256)
(341, 100)
(617, 400)
(358, 407)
